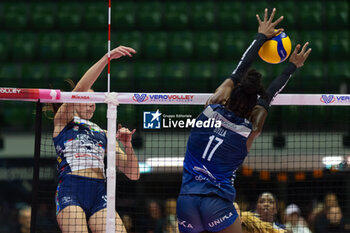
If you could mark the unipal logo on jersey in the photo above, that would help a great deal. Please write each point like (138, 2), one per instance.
(220, 220)
(327, 99)
(151, 120)
(140, 98)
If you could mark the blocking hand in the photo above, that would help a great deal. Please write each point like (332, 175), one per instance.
(267, 27)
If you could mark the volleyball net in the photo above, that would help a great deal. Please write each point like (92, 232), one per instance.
(302, 154)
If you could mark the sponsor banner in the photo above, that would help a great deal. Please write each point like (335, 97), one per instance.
(18, 93)
(312, 99)
(56, 96)
(140, 98)
(335, 99)
(167, 98)
(78, 97)
(28, 94)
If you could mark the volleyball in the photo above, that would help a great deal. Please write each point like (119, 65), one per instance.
(276, 49)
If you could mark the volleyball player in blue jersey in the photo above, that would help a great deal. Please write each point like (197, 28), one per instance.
(81, 146)
(214, 154)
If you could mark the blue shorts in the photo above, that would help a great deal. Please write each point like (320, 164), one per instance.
(88, 193)
(197, 213)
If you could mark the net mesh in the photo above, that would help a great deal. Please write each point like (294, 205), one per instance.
(301, 157)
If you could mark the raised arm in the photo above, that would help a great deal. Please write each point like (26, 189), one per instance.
(127, 161)
(66, 112)
(266, 30)
(89, 78)
(259, 112)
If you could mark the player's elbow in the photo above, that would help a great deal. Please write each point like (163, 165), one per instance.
(257, 118)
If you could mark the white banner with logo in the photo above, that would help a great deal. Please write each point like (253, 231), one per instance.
(54, 96)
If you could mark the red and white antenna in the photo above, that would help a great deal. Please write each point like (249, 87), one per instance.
(109, 47)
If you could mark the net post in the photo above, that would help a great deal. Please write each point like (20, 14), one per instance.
(35, 186)
(111, 164)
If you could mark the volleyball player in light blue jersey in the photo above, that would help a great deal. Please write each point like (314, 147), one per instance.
(213, 155)
(81, 145)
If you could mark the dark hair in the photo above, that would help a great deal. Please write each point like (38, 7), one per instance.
(244, 96)
(273, 196)
(276, 218)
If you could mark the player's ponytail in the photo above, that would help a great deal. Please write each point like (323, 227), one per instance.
(244, 96)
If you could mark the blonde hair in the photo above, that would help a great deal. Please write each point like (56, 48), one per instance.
(251, 223)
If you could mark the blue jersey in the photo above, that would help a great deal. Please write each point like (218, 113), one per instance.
(214, 154)
(80, 145)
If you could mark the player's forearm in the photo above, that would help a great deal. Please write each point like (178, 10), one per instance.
(278, 84)
(132, 165)
(89, 78)
(248, 58)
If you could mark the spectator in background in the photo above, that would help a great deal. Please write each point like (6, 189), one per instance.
(170, 225)
(251, 223)
(331, 220)
(128, 223)
(336, 221)
(318, 208)
(294, 221)
(155, 222)
(321, 222)
(24, 219)
(170, 207)
(266, 208)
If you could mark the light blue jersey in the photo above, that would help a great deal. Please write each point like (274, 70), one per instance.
(213, 155)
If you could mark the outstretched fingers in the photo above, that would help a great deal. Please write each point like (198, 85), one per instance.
(307, 53)
(279, 30)
(298, 58)
(126, 51)
(265, 15)
(122, 51)
(272, 14)
(304, 47)
(258, 18)
(296, 50)
(277, 21)
(130, 50)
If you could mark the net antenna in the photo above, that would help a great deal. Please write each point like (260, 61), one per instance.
(109, 48)
(111, 138)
